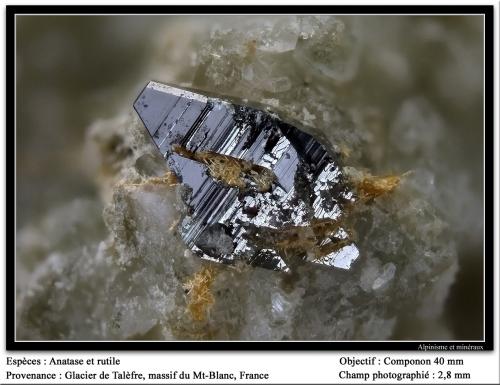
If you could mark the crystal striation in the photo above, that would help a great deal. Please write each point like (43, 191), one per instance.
(258, 190)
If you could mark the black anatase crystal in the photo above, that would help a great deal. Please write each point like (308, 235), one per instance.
(258, 189)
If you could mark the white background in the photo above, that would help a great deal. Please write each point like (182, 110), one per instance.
(291, 367)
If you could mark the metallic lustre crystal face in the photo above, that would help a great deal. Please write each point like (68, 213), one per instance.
(258, 189)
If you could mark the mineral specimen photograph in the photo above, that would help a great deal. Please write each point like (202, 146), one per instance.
(249, 177)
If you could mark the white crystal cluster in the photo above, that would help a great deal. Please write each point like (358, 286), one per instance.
(115, 267)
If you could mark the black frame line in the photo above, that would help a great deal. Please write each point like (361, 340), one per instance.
(13, 345)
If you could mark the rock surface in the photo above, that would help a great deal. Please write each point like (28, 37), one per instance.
(126, 274)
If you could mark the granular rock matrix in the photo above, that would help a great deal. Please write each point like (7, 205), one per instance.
(364, 97)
